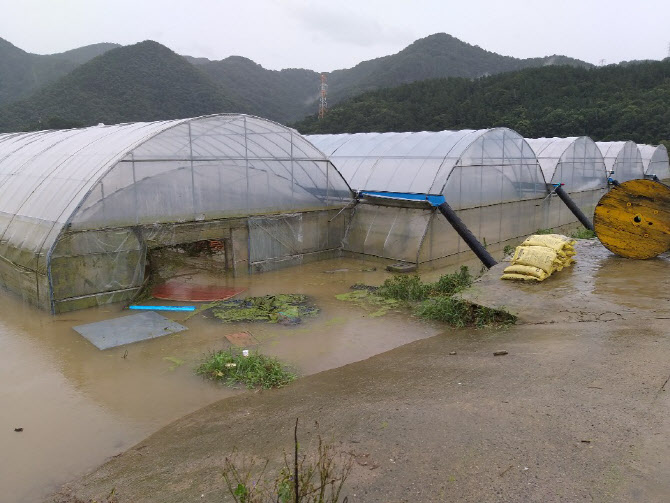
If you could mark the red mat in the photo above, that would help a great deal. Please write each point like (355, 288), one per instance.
(188, 292)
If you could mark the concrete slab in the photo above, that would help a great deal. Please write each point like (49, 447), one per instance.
(128, 329)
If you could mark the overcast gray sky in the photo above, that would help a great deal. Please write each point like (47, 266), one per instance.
(326, 35)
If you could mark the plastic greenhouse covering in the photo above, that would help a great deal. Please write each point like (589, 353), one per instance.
(578, 164)
(54, 184)
(655, 160)
(491, 177)
(623, 158)
(575, 162)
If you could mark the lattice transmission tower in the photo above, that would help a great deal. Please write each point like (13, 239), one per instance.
(323, 102)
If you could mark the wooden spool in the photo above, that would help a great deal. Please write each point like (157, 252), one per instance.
(633, 219)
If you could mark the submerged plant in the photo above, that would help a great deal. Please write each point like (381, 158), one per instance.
(284, 308)
(254, 371)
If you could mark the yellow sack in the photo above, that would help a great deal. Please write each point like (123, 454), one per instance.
(519, 277)
(536, 272)
(556, 242)
(537, 256)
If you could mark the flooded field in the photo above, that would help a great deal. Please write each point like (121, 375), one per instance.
(78, 405)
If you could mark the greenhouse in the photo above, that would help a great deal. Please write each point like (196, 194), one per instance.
(622, 160)
(578, 165)
(655, 161)
(81, 209)
(491, 177)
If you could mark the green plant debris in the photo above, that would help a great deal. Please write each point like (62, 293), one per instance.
(508, 250)
(254, 371)
(287, 309)
(544, 231)
(433, 301)
(583, 233)
(371, 301)
(176, 362)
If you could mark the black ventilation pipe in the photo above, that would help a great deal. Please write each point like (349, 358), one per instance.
(573, 207)
(467, 236)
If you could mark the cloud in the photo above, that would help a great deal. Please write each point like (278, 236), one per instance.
(345, 25)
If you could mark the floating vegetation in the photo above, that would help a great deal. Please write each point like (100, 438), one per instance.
(288, 309)
(368, 299)
(254, 371)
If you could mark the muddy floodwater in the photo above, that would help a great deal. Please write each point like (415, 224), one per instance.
(78, 405)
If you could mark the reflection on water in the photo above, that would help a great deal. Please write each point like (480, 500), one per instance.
(641, 284)
(79, 405)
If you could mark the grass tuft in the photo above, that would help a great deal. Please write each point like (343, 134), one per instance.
(401, 287)
(449, 284)
(254, 371)
(544, 231)
(583, 233)
(459, 313)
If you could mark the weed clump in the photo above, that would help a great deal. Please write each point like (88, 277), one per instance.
(253, 371)
(583, 233)
(544, 231)
(449, 284)
(315, 478)
(407, 288)
(460, 313)
(433, 301)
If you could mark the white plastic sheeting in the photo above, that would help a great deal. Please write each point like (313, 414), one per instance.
(490, 165)
(490, 176)
(575, 162)
(623, 158)
(655, 160)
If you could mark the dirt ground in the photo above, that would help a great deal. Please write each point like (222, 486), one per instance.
(579, 410)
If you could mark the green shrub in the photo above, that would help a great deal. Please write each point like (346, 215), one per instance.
(254, 371)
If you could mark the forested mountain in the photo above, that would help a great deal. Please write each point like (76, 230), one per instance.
(141, 82)
(21, 73)
(284, 95)
(606, 103)
(290, 94)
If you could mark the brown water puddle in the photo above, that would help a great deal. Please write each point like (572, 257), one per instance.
(79, 405)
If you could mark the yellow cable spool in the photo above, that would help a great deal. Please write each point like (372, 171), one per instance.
(633, 219)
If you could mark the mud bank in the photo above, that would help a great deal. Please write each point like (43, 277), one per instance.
(576, 411)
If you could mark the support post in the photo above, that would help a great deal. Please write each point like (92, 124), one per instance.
(573, 207)
(466, 235)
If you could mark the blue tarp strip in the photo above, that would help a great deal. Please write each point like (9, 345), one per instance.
(164, 308)
(434, 200)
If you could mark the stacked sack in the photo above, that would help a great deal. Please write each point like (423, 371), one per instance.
(539, 256)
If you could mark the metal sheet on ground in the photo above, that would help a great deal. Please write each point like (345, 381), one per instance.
(128, 329)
